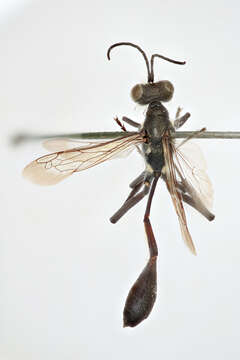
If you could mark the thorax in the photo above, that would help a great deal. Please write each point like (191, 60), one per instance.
(155, 126)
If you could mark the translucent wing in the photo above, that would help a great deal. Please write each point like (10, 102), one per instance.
(61, 144)
(191, 168)
(53, 168)
(171, 181)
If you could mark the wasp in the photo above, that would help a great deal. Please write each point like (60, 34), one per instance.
(180, 165)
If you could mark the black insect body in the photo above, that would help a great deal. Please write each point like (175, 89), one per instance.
(186, 181)
(155, 125)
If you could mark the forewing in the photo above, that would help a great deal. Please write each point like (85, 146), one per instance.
(171, 181)
(192, 170)
(62, 144)
(53, 168)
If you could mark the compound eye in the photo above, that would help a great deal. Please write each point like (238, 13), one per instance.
(146, 93)
(137, 92)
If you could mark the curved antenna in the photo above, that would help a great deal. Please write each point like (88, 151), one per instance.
(139, 49)
(164, 58)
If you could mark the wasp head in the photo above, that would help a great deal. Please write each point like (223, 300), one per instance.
(146, 93)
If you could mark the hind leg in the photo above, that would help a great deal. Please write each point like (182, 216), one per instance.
(131, 201)
(144, 180)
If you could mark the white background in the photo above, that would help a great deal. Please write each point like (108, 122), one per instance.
(65, 270)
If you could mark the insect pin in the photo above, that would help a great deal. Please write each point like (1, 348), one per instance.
(186, 179)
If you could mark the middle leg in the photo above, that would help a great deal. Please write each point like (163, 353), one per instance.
(180, 121)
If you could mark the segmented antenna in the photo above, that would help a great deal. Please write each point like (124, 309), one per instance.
(139, 49)
(150, 71)
(164, 58)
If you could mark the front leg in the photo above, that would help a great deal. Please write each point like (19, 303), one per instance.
(131, 122)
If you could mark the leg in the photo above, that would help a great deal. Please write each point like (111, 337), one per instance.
(197, 206)
(136, 185)
(179, 121)
(139, 179)
(135, 190)
(130, 202)
(188, 199)
(130, 122)
(179, 110)
(120, 124)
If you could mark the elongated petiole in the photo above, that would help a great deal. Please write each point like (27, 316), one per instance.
(148, 227)
(142, 295)
(25, 137)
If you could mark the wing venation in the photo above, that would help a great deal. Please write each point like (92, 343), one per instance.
(52, 168)
(171, 182)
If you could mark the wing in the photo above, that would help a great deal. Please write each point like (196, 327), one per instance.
(191, 168)
(63, 144)
(53, 168)
(171, 182)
